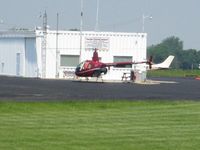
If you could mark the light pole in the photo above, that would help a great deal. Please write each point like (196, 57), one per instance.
(81, 28)
(143, 20)
(57, 49)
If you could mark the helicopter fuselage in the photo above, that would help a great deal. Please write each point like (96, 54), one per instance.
(90, 68)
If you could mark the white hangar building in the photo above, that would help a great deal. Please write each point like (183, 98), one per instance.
(18, 55)
(55, 54)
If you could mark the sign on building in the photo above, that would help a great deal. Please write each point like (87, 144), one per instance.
(101, 43)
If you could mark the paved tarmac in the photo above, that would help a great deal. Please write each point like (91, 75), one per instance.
(30, 89)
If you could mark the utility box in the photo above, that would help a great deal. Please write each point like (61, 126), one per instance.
(140, 76)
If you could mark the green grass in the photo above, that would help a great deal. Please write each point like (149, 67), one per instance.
(173, 73)
(123, 125)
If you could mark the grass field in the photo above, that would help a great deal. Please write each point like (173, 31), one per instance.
(122, 125)
(173, 73)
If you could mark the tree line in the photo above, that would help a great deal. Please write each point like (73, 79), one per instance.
(184, 59)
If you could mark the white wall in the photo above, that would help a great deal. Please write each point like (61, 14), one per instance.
(18, 56)
(120, 44)
(31, 69)
(9, 47)
(29, 49)
(38, 44)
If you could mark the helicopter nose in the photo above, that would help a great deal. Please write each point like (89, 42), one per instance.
(77, 70)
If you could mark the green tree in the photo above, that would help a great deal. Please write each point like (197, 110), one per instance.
(169, 46)
(190, 59)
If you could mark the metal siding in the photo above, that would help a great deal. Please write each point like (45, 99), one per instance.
(120, 44)
(31, 69)
(38, 43)
(9, 47)
(50, 63)
(18, 64)
(68, 44)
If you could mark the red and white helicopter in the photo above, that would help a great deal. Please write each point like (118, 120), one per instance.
(94, 68)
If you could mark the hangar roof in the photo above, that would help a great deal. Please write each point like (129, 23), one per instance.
(17, 33)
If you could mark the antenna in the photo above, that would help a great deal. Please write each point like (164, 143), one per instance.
(97, 17)
(143, 20)
(57, 49)
(81, 23)
(81, 28)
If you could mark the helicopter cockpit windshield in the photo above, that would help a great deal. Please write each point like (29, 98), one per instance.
(85, 65)
(80, 66)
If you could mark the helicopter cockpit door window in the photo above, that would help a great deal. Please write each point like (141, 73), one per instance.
(86, 65)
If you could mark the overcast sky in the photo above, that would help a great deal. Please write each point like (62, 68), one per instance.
(179, 18)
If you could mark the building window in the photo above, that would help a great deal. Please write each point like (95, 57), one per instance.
(69, 60)
(123, 59)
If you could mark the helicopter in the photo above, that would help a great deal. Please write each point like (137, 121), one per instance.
(95, 68)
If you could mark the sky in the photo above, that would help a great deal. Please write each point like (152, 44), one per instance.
(163, 18)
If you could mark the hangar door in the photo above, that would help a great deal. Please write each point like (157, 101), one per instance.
(69, 60)
(31, 68)
(123, 59)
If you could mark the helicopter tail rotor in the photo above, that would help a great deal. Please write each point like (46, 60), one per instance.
(149, 62)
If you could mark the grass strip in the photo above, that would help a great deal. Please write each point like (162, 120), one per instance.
(98, 125)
